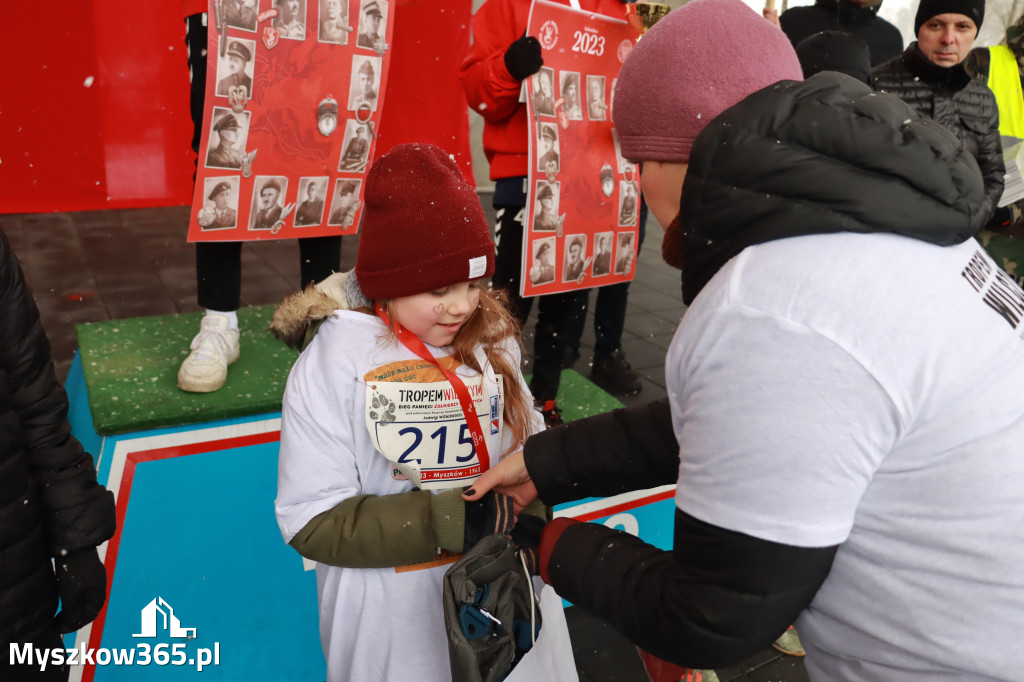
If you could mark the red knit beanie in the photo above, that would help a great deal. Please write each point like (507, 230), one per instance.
(691, 66)
(423, 226)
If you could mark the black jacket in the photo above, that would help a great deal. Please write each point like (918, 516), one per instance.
(882, 38)
(825, 155)
(950, 96)
(50, 502)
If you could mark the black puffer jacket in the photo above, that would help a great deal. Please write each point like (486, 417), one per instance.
(825, 155)
(950, 96)
(50, 502)
(882, 38)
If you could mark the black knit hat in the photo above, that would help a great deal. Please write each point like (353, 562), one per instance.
(975, 9)
(835, 51)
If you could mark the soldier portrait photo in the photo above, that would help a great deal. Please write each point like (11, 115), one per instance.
(241, 13)
(603, 253)
(372, 23)
(624, 254)
(310, 209)
(547, 158)
(355, 147)
(570, 89)
(237, 67)
(220, 210)
(291, 19)
(575, 248)
(545, 214)
(542, 268)
(543, 92)
(267, 201)
(596, 108)
(365, 83)
(628, 203)
(345, 202)
(332, 22)
(228, 132)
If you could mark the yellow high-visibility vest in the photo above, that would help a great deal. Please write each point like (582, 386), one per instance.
(1004, 82)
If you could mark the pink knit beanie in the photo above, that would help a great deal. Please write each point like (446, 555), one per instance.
(691, 66)
(423, 226)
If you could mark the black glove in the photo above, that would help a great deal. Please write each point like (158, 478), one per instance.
(82, 584)
(526, 534)
(492, 513)
(522, 58)
(1001, 219)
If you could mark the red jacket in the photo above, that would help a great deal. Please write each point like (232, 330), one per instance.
(190, 7)
(493, 92)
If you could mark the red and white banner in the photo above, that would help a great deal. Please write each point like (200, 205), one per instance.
(295, 89)
(583, 198)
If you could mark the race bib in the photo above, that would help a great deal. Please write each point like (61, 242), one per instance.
(420, 428)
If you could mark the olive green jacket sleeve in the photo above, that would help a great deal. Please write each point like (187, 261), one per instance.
(380, 531)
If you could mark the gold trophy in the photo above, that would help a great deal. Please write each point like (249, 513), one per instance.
(643, 15)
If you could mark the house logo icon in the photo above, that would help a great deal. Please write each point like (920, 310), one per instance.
(170, 622)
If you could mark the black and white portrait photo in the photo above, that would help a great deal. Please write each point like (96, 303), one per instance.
(570, 90)
(625, 252)
(543, 91)
(545, 213)
(355, 148)
(241, 13)
(574, 265)
(345, 202)
(365, 84)
(596, 107)
(309, 209)
(628, 203)
(220, 208)
(236, 67)
(542, 265)
(332, 22)
(267, 201)
(228, 131)
(547, 146)
(372, 24)
(602, 254)
(291, 19)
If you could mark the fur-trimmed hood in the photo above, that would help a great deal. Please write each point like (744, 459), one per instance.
(298, 317)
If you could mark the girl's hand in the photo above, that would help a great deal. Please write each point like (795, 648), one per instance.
(508, 477)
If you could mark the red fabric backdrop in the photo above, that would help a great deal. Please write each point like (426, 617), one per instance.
(94, 112)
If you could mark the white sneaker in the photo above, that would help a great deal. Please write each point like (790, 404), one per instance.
(213, 349)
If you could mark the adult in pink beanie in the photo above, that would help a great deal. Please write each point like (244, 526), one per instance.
(691, 66)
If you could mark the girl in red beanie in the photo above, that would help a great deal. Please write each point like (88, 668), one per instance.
(408, 390)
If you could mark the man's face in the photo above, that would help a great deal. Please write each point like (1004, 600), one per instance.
(366, 83)
(596, 91)
(548, 203)
(547, 142)
(372, 23)
(945, 39)
(361, 133)
(236, 64)
(570, 91)
(289, 8)
(333, 9)
(221, 200)
(542, 256)
(269, 197)
(574, 252)
(545, 84)
(311, 192)
(229, 136)
(345, 199)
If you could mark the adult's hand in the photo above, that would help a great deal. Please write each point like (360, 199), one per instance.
(508, 477)
(522, 58)
(82, 584)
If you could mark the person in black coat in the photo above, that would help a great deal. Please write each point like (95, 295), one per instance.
(856, 17)
(930, 77)
(53, 513)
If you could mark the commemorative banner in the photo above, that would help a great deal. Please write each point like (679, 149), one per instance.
(583, 198)
(294, 94)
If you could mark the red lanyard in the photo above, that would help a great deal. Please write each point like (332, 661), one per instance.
(413, 343)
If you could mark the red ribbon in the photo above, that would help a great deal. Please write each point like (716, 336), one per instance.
(414, 344)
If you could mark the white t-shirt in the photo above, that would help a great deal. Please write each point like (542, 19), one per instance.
(867, 391)
(381, 624)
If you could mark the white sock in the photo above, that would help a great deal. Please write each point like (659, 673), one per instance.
(231, 315)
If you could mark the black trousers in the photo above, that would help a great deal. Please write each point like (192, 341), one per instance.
(609, 308)
(219, 264)
(558, 315)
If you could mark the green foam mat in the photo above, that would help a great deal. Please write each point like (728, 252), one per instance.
(131, 372)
